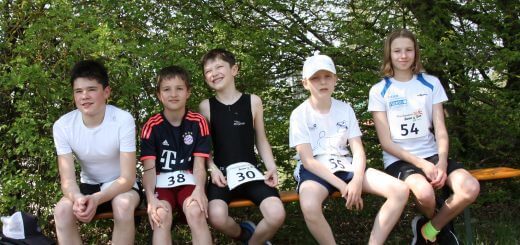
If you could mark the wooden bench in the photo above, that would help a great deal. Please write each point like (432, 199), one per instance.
(291, 196)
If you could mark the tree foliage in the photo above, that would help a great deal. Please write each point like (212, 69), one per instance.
(472, 46)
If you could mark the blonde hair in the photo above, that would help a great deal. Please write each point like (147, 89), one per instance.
(387, 69)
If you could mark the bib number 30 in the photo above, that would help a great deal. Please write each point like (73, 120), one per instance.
(240, 173)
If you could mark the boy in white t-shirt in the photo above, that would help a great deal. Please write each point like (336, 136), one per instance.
(101, 138)
(321, 128)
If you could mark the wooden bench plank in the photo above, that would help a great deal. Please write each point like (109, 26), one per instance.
(495, 173)
(292, 196)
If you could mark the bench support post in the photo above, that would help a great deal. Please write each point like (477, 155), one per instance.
(467, 224)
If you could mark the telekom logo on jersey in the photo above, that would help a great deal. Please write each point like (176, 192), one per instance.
(168, 158)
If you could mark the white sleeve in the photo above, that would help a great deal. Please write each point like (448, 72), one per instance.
(353, 126)
(376, 102)
(127, 134)
(60, 139)
(298, 130)
(439, 95)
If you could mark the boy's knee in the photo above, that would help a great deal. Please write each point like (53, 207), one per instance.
(123, 207)
(165, 216)
(194, 213)
(217, 217)
(275, 216)
(310, 208)
(63, 210)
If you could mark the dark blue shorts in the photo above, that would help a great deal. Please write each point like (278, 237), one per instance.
(307, 175)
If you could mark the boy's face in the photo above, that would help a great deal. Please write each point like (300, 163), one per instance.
(173, 94)
(89, 96)
(218, 73)
(321, 84)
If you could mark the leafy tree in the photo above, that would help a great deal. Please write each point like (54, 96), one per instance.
(471, 45)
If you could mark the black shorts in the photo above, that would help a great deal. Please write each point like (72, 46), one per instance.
(88, 189)
(307, 175)
(256, 191)
(402, 169)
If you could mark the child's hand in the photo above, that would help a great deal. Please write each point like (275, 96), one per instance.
(271, 178)
(198, 197)
(429, 170)
(352, 194)
(217, 178)
(153, 216)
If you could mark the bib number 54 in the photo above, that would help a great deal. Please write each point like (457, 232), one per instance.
(405, 130)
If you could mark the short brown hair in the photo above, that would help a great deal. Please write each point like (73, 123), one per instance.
(218, 53)
(171, 72)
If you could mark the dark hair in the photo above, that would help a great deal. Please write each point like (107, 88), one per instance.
(387, 69)
(218, 53)
(171, 72)
(90, 69)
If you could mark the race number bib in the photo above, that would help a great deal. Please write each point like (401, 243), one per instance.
(176, 178)
(335, 163)
(240, 173)
(405, 121)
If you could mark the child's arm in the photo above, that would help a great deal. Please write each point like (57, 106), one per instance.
(149, 180)
(262, 144)
(442, 139)
(217, 177)
(199, 195)
(355, 186)
(383, 133)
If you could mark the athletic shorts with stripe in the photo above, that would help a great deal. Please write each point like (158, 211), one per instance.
(402, 169)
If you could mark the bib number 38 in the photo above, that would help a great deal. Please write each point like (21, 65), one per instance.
(173, 179)
(240, 173)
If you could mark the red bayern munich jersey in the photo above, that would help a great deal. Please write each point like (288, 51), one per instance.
(173, 148)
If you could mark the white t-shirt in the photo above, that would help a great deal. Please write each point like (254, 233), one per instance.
(326, 133)
(409, 107)
(97, 149)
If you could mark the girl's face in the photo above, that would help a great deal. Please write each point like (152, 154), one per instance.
(173, 94)
(402, 54)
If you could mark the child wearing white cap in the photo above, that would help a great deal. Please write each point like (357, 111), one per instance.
(320, 129)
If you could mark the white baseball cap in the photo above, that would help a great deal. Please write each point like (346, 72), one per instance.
(315, 63)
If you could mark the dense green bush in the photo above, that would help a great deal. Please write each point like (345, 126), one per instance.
(471, 46)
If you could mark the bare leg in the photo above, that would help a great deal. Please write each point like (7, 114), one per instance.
(197, 221)
(123, 207)
(465, 191)
(220, 220)
(162, 235)
(396, 193)
(66, 223)
(423, 192)
(312, 195)
(274, 215)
